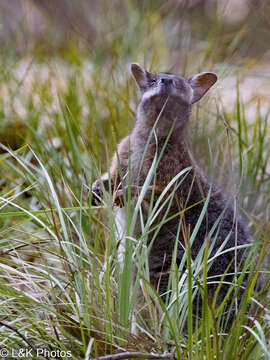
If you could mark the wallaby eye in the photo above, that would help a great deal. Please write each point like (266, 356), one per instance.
(153, 82)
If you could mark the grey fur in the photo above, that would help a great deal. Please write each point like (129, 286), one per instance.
(171, 97)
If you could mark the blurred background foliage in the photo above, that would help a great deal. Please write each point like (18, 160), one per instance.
(103, 37)
(46, 28)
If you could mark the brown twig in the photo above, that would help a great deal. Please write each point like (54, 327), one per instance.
(136, 355)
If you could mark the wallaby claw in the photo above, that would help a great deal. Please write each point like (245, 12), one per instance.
(118, 198)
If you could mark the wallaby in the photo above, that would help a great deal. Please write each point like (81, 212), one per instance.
(166, 102)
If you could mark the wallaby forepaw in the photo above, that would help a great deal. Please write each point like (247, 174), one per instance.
(96, 192)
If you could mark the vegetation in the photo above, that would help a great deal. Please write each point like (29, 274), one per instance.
(66, 99)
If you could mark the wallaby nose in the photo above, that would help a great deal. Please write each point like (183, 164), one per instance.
(165, 81)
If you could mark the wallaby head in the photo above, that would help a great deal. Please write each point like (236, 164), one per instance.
(169, 96)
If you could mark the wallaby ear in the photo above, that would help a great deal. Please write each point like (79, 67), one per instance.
(140, 75)
(201, 83)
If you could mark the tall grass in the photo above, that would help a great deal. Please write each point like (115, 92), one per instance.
(62, 285)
